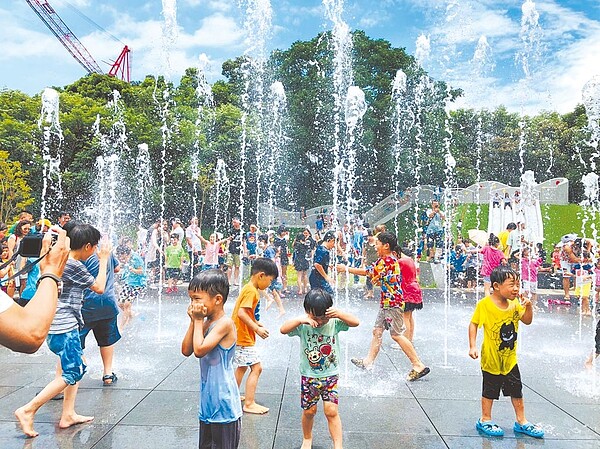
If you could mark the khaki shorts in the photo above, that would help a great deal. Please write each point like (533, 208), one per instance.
(233, 260)
(392, 320)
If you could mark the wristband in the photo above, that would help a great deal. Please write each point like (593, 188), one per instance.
(55, 278)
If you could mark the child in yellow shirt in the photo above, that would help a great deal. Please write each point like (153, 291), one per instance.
(499, 315)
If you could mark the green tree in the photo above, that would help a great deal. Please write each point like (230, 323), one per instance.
(206, 181)
(16, 193)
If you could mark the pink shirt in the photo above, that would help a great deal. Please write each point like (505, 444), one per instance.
(211, 255)
(529, 269)
(491, 259)
(597, 271)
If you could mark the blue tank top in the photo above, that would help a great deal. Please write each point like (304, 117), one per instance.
(219, 393)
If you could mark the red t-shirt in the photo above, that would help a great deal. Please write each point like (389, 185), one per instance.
(410, 286)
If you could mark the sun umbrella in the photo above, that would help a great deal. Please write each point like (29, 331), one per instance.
(478, 236)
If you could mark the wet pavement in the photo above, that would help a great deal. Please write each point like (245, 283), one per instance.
(154, 403)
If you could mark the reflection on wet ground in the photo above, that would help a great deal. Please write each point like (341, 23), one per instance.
(154, 403)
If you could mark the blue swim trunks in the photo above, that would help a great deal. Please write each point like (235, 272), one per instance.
(67, 346)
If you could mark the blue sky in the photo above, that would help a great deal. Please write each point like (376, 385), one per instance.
(564, 55)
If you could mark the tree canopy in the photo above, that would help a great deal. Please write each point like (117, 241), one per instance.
(398, 143)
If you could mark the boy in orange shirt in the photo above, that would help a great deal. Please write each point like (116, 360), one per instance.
(263, 272)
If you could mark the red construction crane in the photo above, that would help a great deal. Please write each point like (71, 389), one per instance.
(66, 37)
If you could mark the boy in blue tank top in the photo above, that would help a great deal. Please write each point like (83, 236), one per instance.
(319, 360)
(211, 337)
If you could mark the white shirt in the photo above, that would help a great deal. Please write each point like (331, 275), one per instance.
(142, 235)
(191, 232)
(180, 233)
(5, 301)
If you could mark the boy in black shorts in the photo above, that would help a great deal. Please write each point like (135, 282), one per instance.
(174, 257)
(499, 315)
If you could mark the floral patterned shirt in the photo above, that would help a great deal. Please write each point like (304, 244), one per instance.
(386, 273)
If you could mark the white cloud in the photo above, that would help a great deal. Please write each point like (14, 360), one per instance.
(213, 5)
(215, 31)
(295, 10)
(21, 43)
(294, 15)
(569, 44)
(27, 45)
(574, 66)
(367, 22)
(145, 39)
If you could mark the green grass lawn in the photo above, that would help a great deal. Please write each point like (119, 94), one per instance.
(558, 221)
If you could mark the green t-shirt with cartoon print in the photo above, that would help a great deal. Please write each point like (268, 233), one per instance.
(320, 348)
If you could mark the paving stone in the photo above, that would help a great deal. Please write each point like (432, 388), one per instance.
(155, 402)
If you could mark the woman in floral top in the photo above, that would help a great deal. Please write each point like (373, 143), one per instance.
(386, 273)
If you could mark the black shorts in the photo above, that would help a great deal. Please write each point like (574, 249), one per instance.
(106, 332)
(223, 436)
(435, 239)
(172, 273)
(471, 274)
(510, 384)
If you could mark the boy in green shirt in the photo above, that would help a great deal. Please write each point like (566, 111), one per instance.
(499, 315)
(174, 257)
(319, 360)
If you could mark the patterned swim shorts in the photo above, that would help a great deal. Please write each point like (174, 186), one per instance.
(311, 388)
(246, 356)
(130, 293)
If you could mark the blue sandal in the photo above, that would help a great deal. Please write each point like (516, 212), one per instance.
(489, 428)
(529, 429)
(109, 380)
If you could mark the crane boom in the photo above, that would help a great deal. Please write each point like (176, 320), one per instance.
(66, 37)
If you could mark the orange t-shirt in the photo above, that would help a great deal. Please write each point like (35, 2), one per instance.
(248, 299)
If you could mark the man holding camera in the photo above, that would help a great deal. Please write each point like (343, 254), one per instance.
(435, 232)
(63, 336)
(24, 329)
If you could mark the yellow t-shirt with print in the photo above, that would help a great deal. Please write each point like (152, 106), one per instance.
(500, 330)
(503, 237)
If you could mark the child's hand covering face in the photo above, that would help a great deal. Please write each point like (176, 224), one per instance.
(311, 322)
(198, 310)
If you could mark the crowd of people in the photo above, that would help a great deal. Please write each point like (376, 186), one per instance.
(88, 284)
(573, 259)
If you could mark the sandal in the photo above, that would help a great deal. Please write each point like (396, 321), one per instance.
(109, 379)
(360, 363)
(529, 429)
(489, 428)
(415, 375)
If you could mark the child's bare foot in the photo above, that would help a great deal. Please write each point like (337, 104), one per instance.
(281, 313)
(26, 422)
(306, 444)
(73, 420)
(255, 409)
(242, 397)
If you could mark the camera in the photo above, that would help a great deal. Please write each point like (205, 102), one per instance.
(31, 245)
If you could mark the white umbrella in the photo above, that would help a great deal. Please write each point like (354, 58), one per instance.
(478, 236)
